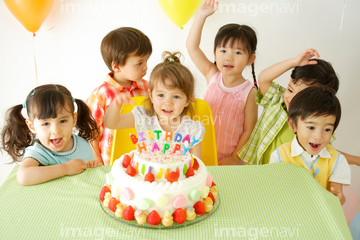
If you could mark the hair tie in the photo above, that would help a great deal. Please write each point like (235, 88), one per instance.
(170, 59)
(75, 105)
(24, 111)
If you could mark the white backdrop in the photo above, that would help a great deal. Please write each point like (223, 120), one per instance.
(69, 53)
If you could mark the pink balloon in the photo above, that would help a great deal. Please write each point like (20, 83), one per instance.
(351, 204)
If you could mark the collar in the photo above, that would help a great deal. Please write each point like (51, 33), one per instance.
(111, 81)
(297, 150)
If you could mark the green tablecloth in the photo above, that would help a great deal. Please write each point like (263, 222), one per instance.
(277, 201)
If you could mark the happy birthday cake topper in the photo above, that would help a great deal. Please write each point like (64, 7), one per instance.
(149, 136)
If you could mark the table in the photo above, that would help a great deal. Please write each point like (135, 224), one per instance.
(274, 201)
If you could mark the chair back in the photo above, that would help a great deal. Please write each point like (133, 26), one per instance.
(208, 144)
(122, 143)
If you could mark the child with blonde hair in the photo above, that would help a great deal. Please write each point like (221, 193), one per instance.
(171, 92)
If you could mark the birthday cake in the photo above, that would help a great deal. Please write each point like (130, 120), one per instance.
(159, 183)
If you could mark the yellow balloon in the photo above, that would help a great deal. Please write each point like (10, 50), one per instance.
(30, 13)
(179, 11)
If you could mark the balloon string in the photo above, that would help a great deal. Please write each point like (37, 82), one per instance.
(36, 75)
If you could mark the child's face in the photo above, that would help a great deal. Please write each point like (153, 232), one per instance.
(168, 103)
(231, 60)
(293, 89)
(135, 67)
(55, 133)
(314, 133)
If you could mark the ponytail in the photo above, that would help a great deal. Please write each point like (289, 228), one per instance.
(16, 135)
(85, 122)
(43, 102)
(171, 57)
(254, 76)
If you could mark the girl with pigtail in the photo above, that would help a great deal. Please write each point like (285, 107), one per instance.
(40, 132)
(230, 96)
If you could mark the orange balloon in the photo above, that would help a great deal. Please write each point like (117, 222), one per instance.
(30, 13)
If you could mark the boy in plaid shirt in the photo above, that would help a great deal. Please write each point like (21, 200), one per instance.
(271, 129)
(125, 52)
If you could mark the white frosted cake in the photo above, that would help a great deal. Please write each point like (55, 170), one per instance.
(156, 186)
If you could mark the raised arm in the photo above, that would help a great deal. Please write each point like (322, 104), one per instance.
(271, 73)
(113, 119)
(351, 159)
(206, 67)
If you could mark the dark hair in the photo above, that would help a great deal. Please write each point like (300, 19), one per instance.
(43, 102)
(180, 77)
(231, 33)
(320, 74)
(118, 44)
(315, 101)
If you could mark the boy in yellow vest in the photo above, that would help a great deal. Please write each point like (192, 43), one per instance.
(314, 114)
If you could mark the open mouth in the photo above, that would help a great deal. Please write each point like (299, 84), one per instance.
(56, 142)
(314, 146)
(167, 111)
(228, 66)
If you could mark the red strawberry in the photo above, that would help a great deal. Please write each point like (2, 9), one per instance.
(129, 213)
(126, 161)
(196, 164)
(130, 170)
(104, 190)
(149, 177)
(173, 177)
(212, 197)
(178, 171)
(112, 204)
(199, 208)
(213, 184)
(179, 216)
(190, 172)
(153, 218)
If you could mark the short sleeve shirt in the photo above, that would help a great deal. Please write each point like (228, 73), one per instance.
(81, 150)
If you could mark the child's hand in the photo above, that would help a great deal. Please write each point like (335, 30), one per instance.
(231, 161)
(93, 163)
(339, 194)
(304, 58)
(75, 166)
(208, 8)
(124, 98)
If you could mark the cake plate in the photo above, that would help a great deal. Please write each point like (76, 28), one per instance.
(160, 226)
